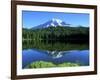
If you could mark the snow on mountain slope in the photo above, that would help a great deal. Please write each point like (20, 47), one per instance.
(53, 22)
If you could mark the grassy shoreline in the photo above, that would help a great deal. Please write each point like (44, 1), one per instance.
(45, 64)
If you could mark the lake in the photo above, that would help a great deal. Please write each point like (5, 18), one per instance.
(55, 52)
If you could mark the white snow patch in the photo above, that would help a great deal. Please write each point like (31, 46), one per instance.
(57, 20)
(52, 24)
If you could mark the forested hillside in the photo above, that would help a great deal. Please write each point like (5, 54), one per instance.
(59, 33)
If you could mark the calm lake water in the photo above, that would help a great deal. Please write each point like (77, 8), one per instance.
(54, 52)
(74, 56)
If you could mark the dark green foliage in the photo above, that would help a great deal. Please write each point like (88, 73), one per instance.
(53, 45)
(56, 38)
(69, 34)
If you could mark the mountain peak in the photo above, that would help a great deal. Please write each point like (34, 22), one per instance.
(53, 22)
(57, 20)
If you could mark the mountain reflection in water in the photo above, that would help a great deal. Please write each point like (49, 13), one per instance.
(56, 52)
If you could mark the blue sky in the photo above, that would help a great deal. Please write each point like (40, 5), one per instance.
(33, 18)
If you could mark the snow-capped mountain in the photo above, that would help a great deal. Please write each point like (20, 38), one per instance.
(53, 22)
